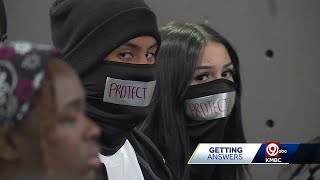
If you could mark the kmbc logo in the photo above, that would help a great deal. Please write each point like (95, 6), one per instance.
(272, 149)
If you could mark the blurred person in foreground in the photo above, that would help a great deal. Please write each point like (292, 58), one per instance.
(44, 132)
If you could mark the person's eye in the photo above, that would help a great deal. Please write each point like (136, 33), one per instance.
(202, 77)
(126, 55)
(228, 73)
(149, 56)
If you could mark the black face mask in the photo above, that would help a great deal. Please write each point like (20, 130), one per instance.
(118, 98)
(208, 107)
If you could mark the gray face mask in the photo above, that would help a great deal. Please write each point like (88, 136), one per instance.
(210, 101)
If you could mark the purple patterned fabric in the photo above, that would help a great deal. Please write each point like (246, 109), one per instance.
(22, 67)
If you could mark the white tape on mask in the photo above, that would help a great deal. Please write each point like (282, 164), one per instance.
(210, 107)
(130, 93)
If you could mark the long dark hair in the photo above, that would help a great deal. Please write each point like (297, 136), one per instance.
(182, 45)
(3, 22)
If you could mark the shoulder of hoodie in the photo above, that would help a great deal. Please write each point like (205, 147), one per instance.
(148, 151)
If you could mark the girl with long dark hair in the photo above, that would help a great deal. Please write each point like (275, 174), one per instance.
(197, 99)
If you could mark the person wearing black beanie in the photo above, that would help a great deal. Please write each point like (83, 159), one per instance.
(112, 44)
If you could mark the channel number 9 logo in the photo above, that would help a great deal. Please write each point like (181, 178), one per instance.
(272, 149)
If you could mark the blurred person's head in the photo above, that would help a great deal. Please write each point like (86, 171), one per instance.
(43, 127)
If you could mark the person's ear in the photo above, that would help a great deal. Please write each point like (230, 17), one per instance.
(8, 148)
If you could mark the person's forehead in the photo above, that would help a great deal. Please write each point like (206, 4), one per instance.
(215, 53)
(142, 40)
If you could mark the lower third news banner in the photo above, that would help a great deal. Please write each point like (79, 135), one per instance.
(255, 153)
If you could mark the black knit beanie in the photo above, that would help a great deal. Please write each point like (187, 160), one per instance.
(87, 31)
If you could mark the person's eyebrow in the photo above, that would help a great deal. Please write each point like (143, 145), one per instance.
(129, 44)
(211, 67)
(227, 65)
(135, 46)
(154, 45)
(204, 67)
